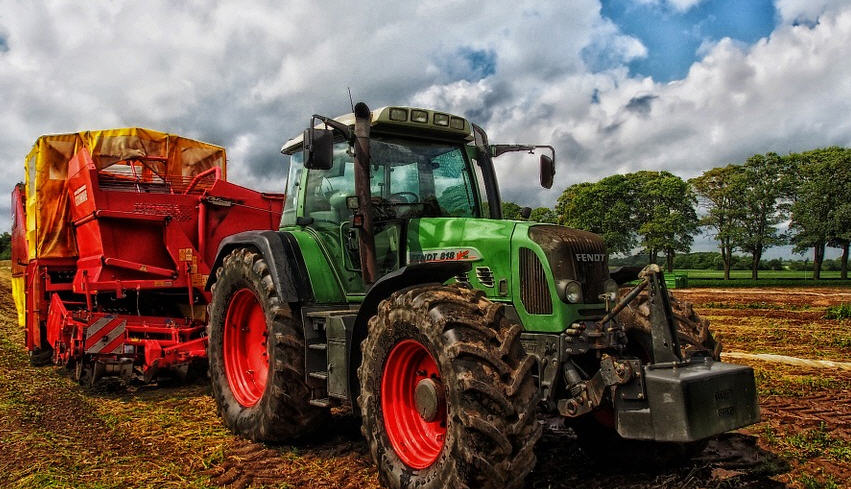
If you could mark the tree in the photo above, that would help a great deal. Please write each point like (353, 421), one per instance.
(666, 214)
(842, 236)
(510, 210)
(819, 202)
(762, 213)
(605, 207)
(658, 207)
(719, 191)
(5, 246)
(543, 214)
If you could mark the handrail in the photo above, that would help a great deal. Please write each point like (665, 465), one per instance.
(215, 169)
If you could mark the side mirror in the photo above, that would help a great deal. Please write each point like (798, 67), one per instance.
(318, 148)
(548, 171)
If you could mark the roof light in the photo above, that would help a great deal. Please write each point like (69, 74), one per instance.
(441, 119)
(398, 115)
(456, 123)
(420, 116)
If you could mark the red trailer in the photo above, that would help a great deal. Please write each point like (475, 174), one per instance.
(114, 234)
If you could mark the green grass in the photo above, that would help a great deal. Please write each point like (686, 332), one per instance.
(814, 482)
(763, 274)
(841, 311)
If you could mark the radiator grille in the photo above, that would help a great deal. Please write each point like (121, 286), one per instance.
(534, 291)
(562, 247)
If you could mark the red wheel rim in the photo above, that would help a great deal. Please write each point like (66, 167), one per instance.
(244, 345)
(417, 441)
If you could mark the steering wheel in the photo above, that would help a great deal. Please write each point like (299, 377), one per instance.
(404, 195)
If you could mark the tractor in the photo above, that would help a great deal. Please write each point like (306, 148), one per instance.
(395, 289)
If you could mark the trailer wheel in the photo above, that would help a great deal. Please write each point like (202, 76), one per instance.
(447, 393)
(256, 354)
(41, 357)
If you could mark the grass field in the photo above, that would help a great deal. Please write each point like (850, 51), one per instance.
(763, 274)
(767, 278)
(55, 434)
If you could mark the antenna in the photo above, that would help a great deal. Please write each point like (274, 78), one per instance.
(350, 98)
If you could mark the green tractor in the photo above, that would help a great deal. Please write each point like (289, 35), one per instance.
(395, 288)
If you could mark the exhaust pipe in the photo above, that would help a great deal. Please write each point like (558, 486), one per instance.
(366, 237)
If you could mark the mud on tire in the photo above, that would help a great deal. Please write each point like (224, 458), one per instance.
(491, 397)
(282, 411)
(693, 330)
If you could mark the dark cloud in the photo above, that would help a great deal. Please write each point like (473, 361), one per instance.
(641, 105)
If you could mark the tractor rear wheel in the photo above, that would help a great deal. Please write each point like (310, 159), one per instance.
(256, 354)
(447, 394)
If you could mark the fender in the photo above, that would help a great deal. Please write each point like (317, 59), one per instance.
(407, 276)
(282, 254)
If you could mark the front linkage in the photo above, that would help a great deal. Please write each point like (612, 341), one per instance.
(655, 393)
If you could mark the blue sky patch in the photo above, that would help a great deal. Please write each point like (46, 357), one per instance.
(4, 46)
(471, 64)
(482, 62)
(673, 38)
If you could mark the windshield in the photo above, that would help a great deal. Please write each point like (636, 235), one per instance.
(408, 179)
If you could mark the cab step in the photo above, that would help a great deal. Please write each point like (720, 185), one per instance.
(323, 403)
(318, 375)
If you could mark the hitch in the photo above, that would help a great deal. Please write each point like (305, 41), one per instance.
(587, 395)
(666, 344)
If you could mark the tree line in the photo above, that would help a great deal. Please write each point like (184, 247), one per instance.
(746, 207)
(5, 246)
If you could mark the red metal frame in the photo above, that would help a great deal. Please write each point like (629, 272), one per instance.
(134, 242)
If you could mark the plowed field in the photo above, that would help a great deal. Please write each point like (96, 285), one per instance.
(55, 434)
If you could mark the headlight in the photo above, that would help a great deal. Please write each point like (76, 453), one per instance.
(571, 291)
(610, 290)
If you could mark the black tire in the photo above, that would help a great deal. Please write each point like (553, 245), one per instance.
(41, 357)
(693, 331)
(491, 395)
(283, 412)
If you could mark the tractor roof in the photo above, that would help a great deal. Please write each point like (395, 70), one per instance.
(410, 120)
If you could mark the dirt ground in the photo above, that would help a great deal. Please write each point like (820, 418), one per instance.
(55, 434)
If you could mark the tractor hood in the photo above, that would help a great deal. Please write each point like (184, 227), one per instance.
(485, 243)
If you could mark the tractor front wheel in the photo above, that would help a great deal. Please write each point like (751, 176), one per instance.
(447, 394)
(256, 354)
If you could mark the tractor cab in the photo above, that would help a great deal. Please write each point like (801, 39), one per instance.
(422, 164)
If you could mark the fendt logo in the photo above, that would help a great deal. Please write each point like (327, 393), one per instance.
(590, 257)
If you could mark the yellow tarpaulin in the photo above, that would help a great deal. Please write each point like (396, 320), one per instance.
(19, 293)
(172, 158)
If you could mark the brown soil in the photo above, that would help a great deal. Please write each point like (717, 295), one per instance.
(55, 434)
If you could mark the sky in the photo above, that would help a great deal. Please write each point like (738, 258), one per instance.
(615, 86)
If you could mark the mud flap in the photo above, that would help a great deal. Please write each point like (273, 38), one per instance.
(685, 402)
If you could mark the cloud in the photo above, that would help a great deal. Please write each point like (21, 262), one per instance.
(678, 5)
(787, 92)
(806, 11)
(248, 76)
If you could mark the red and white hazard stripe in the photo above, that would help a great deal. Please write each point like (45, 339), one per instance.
(106, 335)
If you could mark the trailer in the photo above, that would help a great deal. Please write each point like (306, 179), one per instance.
(114, 235)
